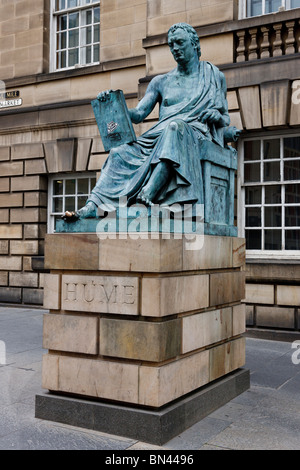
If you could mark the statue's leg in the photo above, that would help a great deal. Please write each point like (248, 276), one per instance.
(156, 182)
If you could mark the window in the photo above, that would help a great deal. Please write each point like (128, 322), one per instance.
(270, 195)
(76, 33)
(67, 193)
(262, 7)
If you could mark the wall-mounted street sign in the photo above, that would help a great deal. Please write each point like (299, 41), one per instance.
(10, 99)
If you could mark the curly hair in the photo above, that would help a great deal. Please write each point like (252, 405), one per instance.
(191, 32)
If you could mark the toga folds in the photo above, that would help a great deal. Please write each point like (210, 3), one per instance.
(129, 166)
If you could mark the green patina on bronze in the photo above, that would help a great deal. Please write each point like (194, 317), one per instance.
(184, 158)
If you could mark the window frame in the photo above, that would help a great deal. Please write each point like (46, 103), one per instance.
(262, 253)
(54, 14)
(63, 176)
(243, 5)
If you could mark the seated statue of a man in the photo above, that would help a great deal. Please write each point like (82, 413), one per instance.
(164, 165)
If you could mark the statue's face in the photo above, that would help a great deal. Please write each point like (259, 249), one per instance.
(181, 46)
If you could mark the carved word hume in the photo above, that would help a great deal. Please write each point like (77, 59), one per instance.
(100, 294)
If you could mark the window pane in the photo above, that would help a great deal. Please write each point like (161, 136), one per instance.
(74, 38)
(93, 183)
(292, 239)
(70, 203)
(273, 240)
(73, 20)
(272, 216)
(273, 194)
(96, 33)
(70, 186)
(60, 4)
(252, 172)
(271, 148)
(57, 204)
(252, 150)
(253, 195)
(86, 36)
(62, 40)
(73, 57)
(96, 53)
(253, 217)
(292, 170)
(62, 22)
(87, 17)
(254, 7)
(292, 216)
(292, 193)
(81, 201)
(58, 187)
(83, 186)
(61, 60)
(97, 15)
(272, 171)
(292, 147)
(72, 3)
(272, 5)
(253, 239)
(295, 3)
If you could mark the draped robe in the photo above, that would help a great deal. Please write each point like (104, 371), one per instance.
(129, 166)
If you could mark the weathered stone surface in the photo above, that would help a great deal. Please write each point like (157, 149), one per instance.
(227, 357)
(226, 287)
(260, 293)
(51, 284)
(141, 340)
(160, 385)
(288, 295)
(100, 294)
(206, 328)
(70, 333)
(238, 319)
(76, 251)
(169, 295)
(275, 317)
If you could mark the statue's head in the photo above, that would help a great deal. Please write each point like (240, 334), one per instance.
(191, 32)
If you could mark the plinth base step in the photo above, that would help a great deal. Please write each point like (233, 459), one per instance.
(152, 426)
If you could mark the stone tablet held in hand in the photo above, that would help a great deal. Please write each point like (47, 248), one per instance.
(113, 119)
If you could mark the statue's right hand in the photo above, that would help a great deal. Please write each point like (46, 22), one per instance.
(103, 95)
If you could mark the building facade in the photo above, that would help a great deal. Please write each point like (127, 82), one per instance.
(57, 55)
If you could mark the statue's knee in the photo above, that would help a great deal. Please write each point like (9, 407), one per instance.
(173, 126)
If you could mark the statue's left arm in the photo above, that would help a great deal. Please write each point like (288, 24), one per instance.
(218, 115)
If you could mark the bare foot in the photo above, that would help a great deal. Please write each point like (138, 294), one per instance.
(87, 211)
(144, 197)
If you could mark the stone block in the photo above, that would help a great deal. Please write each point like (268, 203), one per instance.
(11, 295)
(226, 287)
(69, 333)
(27, 151)
(60, 155)
(4, 216)
(28, 215)
(140, 340)
(3, 247)
(4, 153)
(35, 199)
(29, 183)
(238, 319)
(288, 295)
(226, 358)
(83, 153)
(28, 247)
(4, 185)
(110, 380)
(214, 252)
(10, 263)
(11, 200)
(206, 328)
(275, 317)
(160, 385)
(35, 167)
(140, 255)
(11, 231)
(23, 279)
(170, 295)
(250, 315)
(238, 252)
(3, 278)
(51, 284)
(74, 251)
(275, 99)
(249, 98)
(260, 293)
(100, 294)
(33, 296)
(11, 169)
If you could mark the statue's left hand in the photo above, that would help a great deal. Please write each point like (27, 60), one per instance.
(211, 116)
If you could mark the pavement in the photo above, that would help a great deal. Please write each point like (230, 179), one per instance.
(266, 417)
